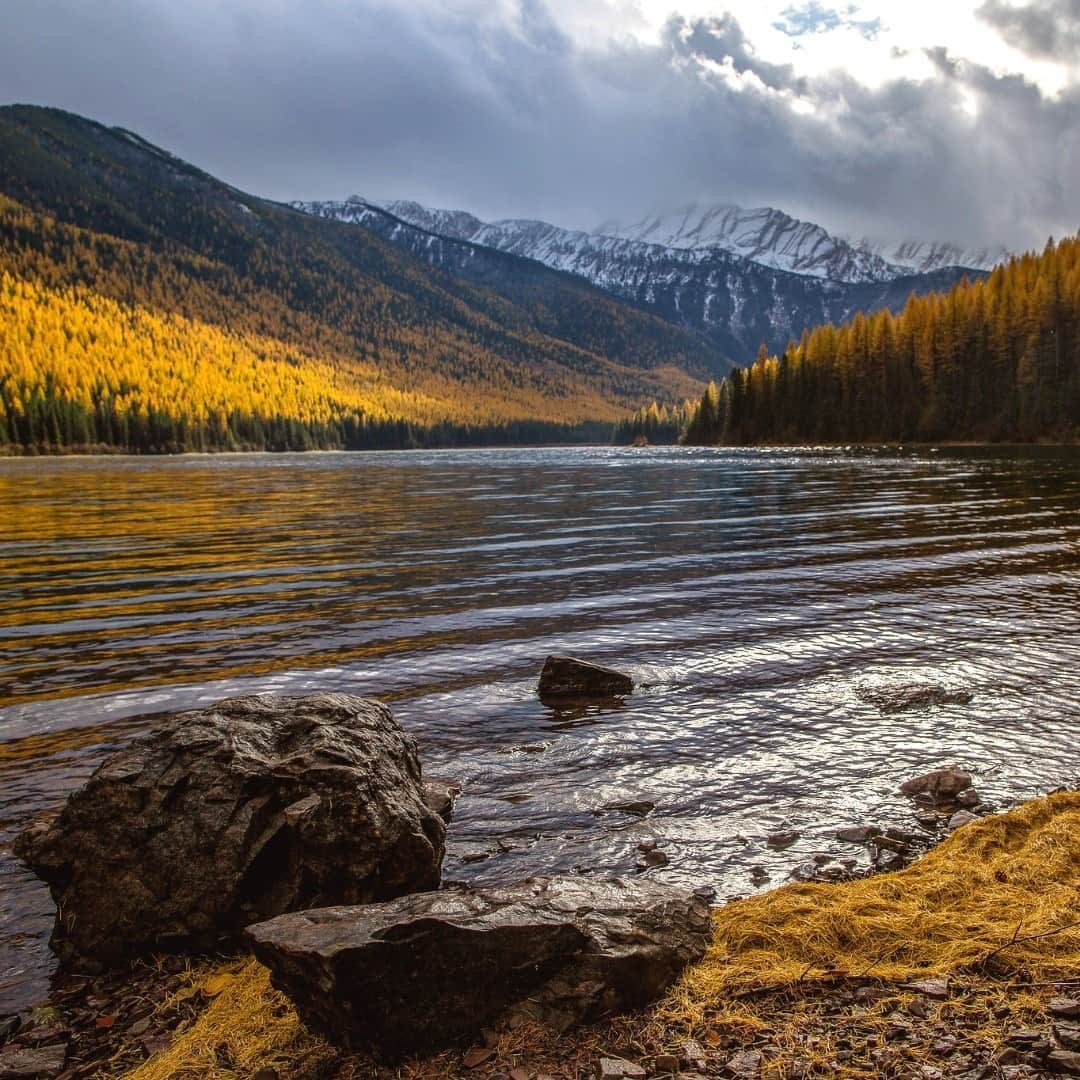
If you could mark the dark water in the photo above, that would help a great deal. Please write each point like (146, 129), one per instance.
(758, 594)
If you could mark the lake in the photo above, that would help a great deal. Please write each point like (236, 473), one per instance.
(760, 597)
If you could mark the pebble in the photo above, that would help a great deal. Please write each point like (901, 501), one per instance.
(745, 1065)
(618, 1069)
(931, 988)
(1068, 1035)
(781, 839)
(666, 1063)
(1066, 1008)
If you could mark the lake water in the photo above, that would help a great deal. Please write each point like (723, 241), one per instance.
(758, 595)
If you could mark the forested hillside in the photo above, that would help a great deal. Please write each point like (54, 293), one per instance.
(995, 360)
(146, 306)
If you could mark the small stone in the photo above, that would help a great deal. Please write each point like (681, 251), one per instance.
(968, 799)
(656, 858)
(938, 784)
(477, 1056)
(520, 1073)
(1064, 1061)
(1023, 1038)
(897, 1032)
(919, 1008)
(745, 1064)
(1068, 1035)
(693, 1053)
(647, 845)
(666, 1063)
(8, 1026)
(618, 1069)
(1066, 1008)
(140, 1027)
(639, 808)
(781, 839)
(565, 676)
(857, 834)
(705, 892)
(931, 988)
(944, 1047)
(20, 1063)
(961, 818)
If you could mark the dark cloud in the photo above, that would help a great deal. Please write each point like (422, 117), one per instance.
(1044, 28)
(455, 106)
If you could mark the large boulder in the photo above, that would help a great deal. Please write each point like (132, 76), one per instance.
(233, 814)
(565, 677)
(425, 972)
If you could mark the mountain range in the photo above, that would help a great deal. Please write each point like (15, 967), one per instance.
(740, 277)
(272, 314)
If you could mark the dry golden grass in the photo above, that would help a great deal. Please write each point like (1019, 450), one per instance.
(994, 884)
(996, 907)
(246, 1026)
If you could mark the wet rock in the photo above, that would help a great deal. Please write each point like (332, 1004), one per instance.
(639, 808)
(969, 799)
(893, 699)
(564, 676)
(857, 834)
(655, 858)
(938, 784)
(781, 839)
(21, 1063)
(229, 815)
(961, 817)
(440, 796)
(424, 972)
(1066, 1008)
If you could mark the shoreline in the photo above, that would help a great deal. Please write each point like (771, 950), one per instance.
(8, 454)
(951, 963)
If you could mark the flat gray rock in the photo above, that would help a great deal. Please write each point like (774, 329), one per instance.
(425, 972)
(232, 814)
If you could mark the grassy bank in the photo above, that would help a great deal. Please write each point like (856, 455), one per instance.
(811, 976)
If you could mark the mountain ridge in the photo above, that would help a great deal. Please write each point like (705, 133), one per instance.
(737, 302)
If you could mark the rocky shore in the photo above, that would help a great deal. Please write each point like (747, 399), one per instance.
(252, 890)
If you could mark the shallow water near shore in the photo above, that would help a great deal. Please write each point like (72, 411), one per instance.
(756, 596)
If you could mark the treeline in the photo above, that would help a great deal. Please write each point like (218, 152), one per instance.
(655, 424)
(82, 372)
(997, 360)
(146, 306)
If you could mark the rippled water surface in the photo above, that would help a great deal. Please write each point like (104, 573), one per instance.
(757, 596)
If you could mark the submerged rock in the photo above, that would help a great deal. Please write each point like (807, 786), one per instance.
(938, 784)
(230, 815)
(892, 699)
(424, 972)
(563, 676)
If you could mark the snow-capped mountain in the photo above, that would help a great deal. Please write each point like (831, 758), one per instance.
(801, 277)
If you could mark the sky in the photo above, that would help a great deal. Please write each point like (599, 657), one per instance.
(952, 120)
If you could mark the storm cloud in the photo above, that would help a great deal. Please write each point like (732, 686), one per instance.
(495, 108)
(1046, 28)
